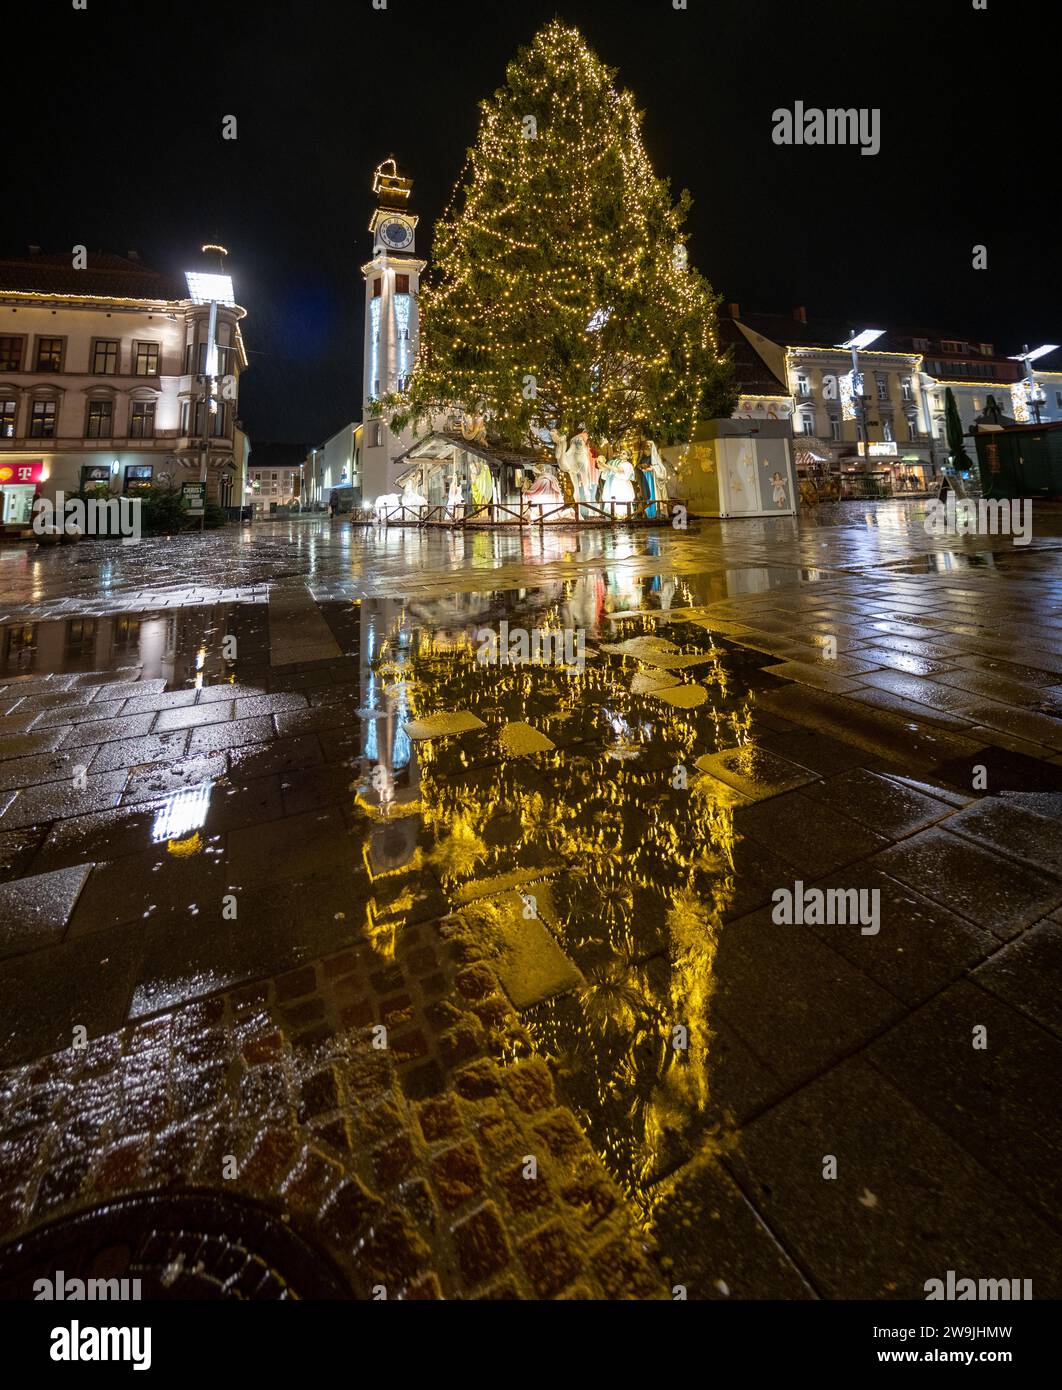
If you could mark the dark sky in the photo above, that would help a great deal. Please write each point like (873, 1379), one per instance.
(116, 144)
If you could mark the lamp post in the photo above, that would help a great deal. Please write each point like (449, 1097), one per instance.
(212, 288)
(854, 343)
(1027, 358)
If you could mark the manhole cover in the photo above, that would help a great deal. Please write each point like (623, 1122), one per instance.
(194, 1245)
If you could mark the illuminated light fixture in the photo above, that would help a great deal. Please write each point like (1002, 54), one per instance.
(1027, 356)
(858, 341)
(115, 465)
(182, 813)
(205, 287)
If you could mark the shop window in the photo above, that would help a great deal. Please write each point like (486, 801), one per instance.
(95, 475)
(138, 477)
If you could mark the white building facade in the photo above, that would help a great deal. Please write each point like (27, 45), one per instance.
(335, 467)
(270, 488)
(392, 281)
(101, 383)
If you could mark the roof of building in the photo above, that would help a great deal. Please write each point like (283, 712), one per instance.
(752, 375)
(105, 276)
(787, 330)
(437, 444)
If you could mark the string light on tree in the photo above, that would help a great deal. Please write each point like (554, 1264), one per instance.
(564, 258)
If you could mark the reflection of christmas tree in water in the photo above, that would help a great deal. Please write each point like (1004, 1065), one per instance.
(629, 861)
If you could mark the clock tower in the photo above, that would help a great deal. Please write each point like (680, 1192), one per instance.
(392, 279)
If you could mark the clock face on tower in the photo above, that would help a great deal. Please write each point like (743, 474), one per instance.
(396, 233)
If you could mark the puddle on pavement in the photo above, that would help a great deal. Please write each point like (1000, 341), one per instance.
(627, 848)
(613, 840)
(183, 646)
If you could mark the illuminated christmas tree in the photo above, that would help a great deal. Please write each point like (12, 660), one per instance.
(561, 292)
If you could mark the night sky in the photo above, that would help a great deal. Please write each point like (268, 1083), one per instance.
(116, 143)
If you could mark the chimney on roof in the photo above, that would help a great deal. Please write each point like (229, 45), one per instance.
(35, 250)
(801, 314)
(734, 310)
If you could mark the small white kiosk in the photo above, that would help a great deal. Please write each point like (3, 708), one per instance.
(736, 468)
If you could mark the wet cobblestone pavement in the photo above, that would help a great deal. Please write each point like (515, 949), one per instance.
(467, 972)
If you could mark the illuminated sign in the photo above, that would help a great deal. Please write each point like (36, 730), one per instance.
(21, 472)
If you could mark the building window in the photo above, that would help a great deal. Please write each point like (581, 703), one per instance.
(8, 413)
(105, 357)
(807, 424)
(401, 284)
(921, 344)
(883, 386)
(835, 427)
(80, 634)
(99, 421)
(376, 288)
(886, 430)
(803, 385)
(142, 420)
(49, 354)
(377, 432)
(219, 420)
(42, 420)
(905, 389)
(10, 354)
(139, 477)
(145, 359)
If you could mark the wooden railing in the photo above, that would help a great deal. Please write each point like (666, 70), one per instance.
(531, 514)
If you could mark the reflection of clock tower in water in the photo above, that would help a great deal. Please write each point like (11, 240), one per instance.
(392, 279)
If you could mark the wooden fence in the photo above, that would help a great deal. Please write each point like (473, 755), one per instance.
(529, 514)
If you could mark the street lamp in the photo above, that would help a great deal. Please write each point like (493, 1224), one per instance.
(213, 288)
(855, 342)
(1026, 358)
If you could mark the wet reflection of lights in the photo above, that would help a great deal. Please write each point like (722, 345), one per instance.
(183, 812)
(649, 875)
